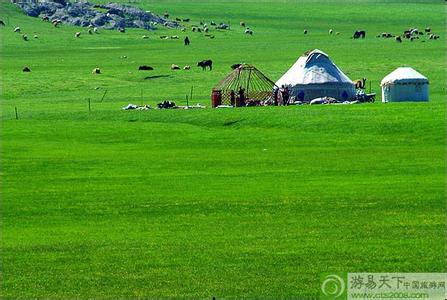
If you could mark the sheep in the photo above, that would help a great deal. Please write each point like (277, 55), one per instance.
(78, 34)
(174, 37)
(305, 31)
(428, 30)
(95, 30)
(183, 29)
(122, 30)
(144, 37)
(249, 31)
(186, 67)
(242, 23)
(206, 29)
(45, 19)
(25, 37)
(90, 26)
(212, 23)
(90, 31)
(175, 67)
(331, 31)
(2, 23)
(17, 29)
(96, 71)
(35, 36)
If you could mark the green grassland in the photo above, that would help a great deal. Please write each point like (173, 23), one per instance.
(253, 202)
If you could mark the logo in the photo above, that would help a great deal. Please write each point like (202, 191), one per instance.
(333, 286)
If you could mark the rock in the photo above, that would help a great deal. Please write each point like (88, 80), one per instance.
(85, 14)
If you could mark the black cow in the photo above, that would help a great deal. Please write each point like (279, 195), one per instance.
(26, 69)
(359, 34)
(205, 63)
(2, 23)
(145, 68)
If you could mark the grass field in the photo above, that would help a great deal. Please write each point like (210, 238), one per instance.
(254, 202)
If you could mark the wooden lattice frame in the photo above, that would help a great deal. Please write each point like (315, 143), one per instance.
(257, 86)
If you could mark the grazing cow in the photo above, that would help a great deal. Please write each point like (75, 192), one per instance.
(77, 34)
(17, 29)
(26, 69)
(213, 23)
(96, 71)
(2, 23)
(305, 31)
(186, 20)
(175, 67)
(428, 29)
(331, 31)
(205, 63)
(25, 37)
(235, 66)
(145, 68)
(360, 83)
(249, 31)
(186, 67)
(242, 24)
(359, 34)
(398, 39)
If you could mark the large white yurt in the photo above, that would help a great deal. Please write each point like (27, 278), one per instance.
(404, 84)
(314, 75)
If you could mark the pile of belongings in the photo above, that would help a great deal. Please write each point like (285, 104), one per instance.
(166, 104)
(137, 107)
(330, 100)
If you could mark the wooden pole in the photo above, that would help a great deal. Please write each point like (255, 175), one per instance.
(104, 95)
(17, 114)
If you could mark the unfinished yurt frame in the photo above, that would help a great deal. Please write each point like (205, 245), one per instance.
(257, 86)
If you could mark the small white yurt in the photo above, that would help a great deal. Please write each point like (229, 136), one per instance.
(314, 75)
(404, 84)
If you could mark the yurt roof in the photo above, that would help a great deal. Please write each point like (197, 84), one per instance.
(404, 75)
(313, 67)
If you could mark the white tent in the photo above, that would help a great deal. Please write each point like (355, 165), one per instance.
(404, 84)
(314, 75)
